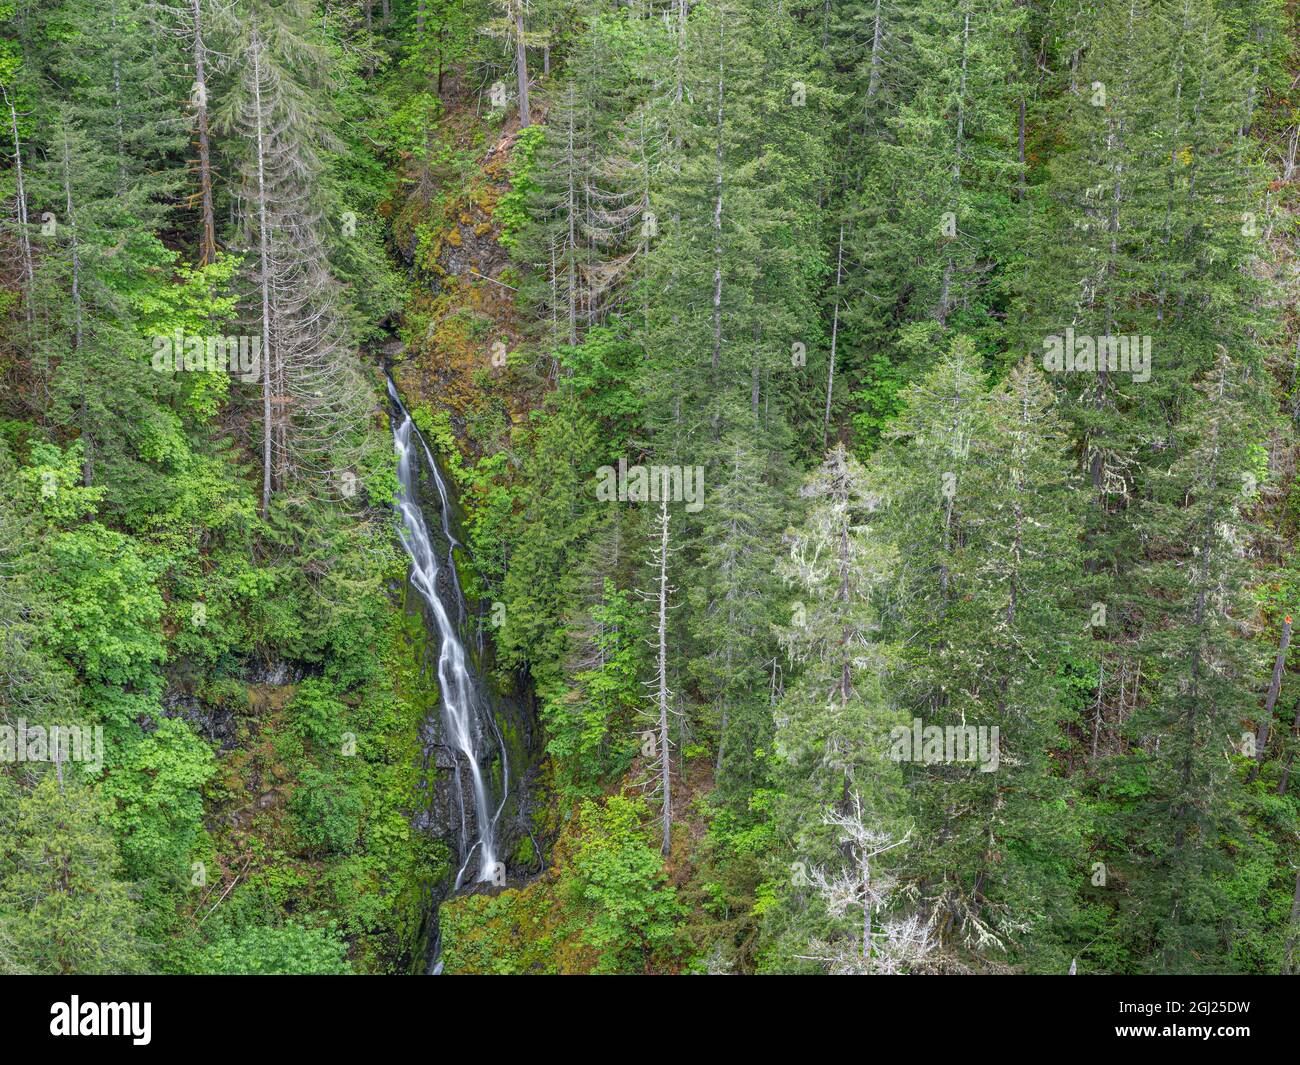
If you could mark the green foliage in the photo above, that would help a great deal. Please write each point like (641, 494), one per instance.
(618, 877)
(511, 212)
(555, 512)
(105, 608)
(605, 374)
(499, 935)
(65, 906)
(287, 951)
(156, 786)
(589, 724)
(327, 811)
(705, 212)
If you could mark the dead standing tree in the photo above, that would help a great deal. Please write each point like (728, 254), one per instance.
(312, 394)
(510, 28)
(187, 22)
(199, 98)
(1274, 690)
(20, 208)
(657, 747)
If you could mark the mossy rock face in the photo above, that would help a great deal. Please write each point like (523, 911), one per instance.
(375, 889)
(525, 853)
(408, 651)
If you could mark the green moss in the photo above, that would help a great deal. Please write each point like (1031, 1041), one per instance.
(525, 853)
(404, 661)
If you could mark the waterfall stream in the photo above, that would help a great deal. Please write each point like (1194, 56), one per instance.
(469, 730)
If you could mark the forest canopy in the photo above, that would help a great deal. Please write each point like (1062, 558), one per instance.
(649, 486)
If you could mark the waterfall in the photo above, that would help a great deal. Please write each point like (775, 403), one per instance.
(467, 721)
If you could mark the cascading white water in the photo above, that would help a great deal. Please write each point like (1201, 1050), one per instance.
(456, 681)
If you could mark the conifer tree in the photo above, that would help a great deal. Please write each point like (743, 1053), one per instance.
(930, 249)
(831, 725)
(832, 722)
(1192, 579)
(733, 598)
(980, 498)
(311, 391)
(63, 905)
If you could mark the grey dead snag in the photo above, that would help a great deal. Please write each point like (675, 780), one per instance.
(1274, 689)
(509, 27)
(312, 394)
(521, 64)
(662, 694)
(886, 945)
(263, 243)
(873, 84)
(208, 241)
(835, 332)
(24, 237)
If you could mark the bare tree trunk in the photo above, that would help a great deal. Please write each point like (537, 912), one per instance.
(521, 63)
(1274, 689)
(88, 463)
(663, 695)
(945, 294)
(835, 333)
(208, 241)
(264, 251)
(717, 218)
(573, 239)
(873, 83)
(25, 238)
